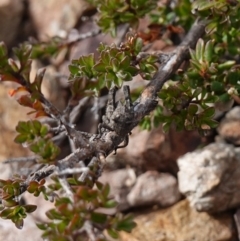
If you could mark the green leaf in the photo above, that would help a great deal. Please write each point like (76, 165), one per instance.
(112, 233)
(39, 78)
(61, 227)
(106, 190)
(30, 208)
(115, 64)
(200, 50)
(201, 5)
(22, 127)
(6, 213)
(99, 185)
(233, 77)
(127, 17)
(211, 27)
(126, 224)
(54, 214)
(100, 67)
(9, 203)
(3, 49)
(89, 60)
(151, 59)
(166, 126)
(98, 217)
(192, 109)
(42, 226)
(125, 63)
(224, 97)
(226, 65)
(2, 183)
(208, 52)
(36, 126)
(19, 223)
(209, 112)
(138, 45)
(210, 123)
(33, 186)
(118, 82)
(193, 54)
(110, 204)
(150, 68)
(21, 138)
(35, 148)
(43, 130)
(74, 70)
(13, 65)
(145, 124)
(196, 64)
(19, 212)
(217, 87)
(197, 92)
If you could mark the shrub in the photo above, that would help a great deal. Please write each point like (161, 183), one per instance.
(184, 98)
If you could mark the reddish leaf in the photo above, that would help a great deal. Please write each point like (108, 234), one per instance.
(14, 91)
(40, 113)
(9, 77)
(37, 105)
(25, 100)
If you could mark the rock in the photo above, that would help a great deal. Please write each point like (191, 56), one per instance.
(11, 14)
(59, 16)
(237, 221)
(11, 114)
(43, 206)
(210, 178)
(155, 150)
(29, 232)
(120, 182)
(154, 188)
(182, 223)
(229, 128)
(149, 188)
(5, 170)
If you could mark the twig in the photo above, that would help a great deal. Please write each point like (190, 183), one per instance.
(75, 111)
(76, 170)
(162, 56)
(88, 228)
(22, 159)
(80, 37)
(66, 188)
(44, 172)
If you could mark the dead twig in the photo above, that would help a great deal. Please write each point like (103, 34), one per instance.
(32, 159)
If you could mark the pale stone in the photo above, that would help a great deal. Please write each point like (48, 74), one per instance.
(11, 14)
(29, 232)
(182, 223)
(10, 114)
(121, 182)
(229, 127)
(55, 17)
(156, 150)
(210, 177)
(154, 188)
